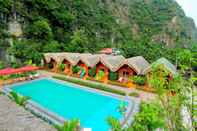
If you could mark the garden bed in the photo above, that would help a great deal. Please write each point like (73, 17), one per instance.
(91, 85)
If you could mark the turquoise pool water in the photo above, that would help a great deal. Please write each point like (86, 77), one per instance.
(69, 102)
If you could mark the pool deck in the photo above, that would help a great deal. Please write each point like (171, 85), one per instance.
(144, 96)
(16, 118)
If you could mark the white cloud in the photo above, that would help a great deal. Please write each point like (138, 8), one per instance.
(190, 8)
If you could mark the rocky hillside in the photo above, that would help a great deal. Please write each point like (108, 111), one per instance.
(163, 20)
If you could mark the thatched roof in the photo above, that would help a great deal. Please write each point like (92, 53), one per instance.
(54, 56)
(113, 62)
(90, 60)
(166, 63)
(73, 58)
(138, 63)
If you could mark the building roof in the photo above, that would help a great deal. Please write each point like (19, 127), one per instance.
(106, 51)
(90, 60)
(166, 63)
(138, 63)
(55, 56)
(73, 58)
(113, 62)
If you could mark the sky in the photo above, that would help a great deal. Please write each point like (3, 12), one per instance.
(190, 8)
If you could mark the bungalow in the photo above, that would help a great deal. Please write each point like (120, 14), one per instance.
(52, 60)
(167, 65)
(85, 64)
(69, 60)
(103, 63)
(109, 63)
(133, 66)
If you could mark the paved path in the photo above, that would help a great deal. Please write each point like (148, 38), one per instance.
(144, 96)
(16, 118)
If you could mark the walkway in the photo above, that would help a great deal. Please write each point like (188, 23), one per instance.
(16, 118)
(144, 96)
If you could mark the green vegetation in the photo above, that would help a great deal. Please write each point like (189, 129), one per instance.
(1, 93)
(91, 85)
(114, 123)
(61, 67)
(92, 72)
(172, 95)
(134, 94)
(140, 80)
(100, 75)
(14, 76)
(72, 125)
(136, 27)
(76, 69)
(20, 100)
(2, 65)
(148, 119)
(113, 76)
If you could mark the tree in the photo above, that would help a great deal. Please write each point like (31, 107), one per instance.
(114, 123)
(78, 42)
(149, 118)
(26, 50)
(172, 96)
(40, 30)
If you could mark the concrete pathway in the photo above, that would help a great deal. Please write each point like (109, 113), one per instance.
(16, 118)
(144, 96)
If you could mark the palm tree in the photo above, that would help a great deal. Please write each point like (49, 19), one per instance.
(73, 125)
(114, 124)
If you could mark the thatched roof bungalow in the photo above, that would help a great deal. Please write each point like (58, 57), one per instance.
(72, 58)
(165, 63)
(138, 64)
(54, 59)
(113, 63)
(90, 60)
(107, 63)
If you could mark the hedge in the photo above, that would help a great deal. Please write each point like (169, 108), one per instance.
(113, 76)
(140, 80)
(91, 85)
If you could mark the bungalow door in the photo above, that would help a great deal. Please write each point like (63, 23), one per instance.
(125, 75)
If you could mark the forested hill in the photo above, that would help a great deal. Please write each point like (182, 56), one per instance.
(138, 27)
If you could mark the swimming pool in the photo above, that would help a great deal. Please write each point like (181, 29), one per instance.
(71, 102)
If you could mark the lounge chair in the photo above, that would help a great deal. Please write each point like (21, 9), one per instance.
(37, 75)
(31, 77)
(120, 79)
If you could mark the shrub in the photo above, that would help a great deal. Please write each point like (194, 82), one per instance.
(92, 72)
(91, 85)
(2, 65)
(61, 67)
(113, 76)
(134, 94)
(75, 69)
(140, 80)
(50, 65)
(20, 100)
(101, 74)
(72, 125)
(15, 65)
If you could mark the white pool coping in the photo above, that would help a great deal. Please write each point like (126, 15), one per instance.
(51, 117)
